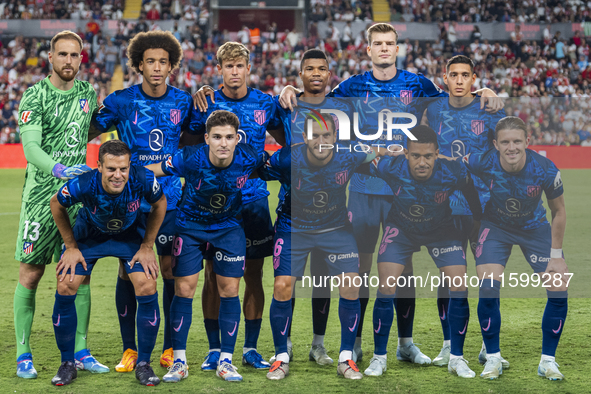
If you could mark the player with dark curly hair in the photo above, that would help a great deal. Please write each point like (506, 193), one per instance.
(149, 118)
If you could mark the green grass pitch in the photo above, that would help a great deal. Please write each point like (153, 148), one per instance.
(521, 334)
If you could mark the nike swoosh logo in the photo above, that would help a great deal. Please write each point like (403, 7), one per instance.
(487, 327)
(439, 128)
(464, 330)
(58, 321)
(407, 313)
(323, 310)
(354, 324)
(234, 330)
(554, 331)
(379, 326)
(23, 342)
(177, 329)
(285, 330)
(366, 98)
(294, 117)
(135, 121)
(442, 317)
(398, 192)
(93, 212)
(153, 324)
(124, 313)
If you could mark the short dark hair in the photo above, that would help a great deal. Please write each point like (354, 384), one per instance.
(115, 148)
(313, 54)
(153, 40)
(460, 59)
(424, 135)
(510, 123)
(222, 118)
(330, 123)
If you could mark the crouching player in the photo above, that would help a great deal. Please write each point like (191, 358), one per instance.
(314, 216)
(209, 212)
(109, 224)
(421, 216)
(514, 215)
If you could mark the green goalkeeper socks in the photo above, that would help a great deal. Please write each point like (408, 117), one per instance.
(83, 312)
(24, 310)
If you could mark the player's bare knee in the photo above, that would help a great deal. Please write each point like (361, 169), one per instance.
(228, 287)
(185, 288)
(282, 288)
(67, 288)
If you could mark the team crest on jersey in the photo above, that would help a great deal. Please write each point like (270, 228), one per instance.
(406, 96)
(27, 247)
(175, 116)
(241, 181)
(478, 127)
(65, 192)
(534, 191)
(84, 105)
(441, 196)
(260, 116)
(26, 116)
(341, 177)
(133, 206)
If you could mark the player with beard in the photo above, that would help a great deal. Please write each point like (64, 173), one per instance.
(54, 117)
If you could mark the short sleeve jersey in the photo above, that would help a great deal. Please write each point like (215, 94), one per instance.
(108, 213)
(278, 168)
(256, 112)
(150, 126)
(212, 197)
(516, 198)
(421, 206)
(63, 117)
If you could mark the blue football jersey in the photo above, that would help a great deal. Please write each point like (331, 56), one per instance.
(150, 126)
(396, 95)
(212, 197)
(318, 194)
(277, 168)
(110, 214)
(256, 112)
(460, 131)
(516, 198)
(419, 206)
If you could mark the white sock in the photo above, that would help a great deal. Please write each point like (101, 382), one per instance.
(318, 340)
(224, 356)
(289, 344)
(247, 349)
(493, 355)
(357, 343)
(549, 358)
(180, 355)
(447, 342)
(381, 356)
(404, 341)
(284, 357)
(345, 355)
(215, 350)
(451, 357)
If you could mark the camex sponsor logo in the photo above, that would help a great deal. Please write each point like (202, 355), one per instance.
(257, 242)
(334, 257)
(222, 257)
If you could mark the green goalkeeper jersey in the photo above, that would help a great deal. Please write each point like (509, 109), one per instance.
(63, 118)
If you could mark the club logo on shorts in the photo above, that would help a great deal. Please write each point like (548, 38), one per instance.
(332, 258)
(260, 116)
(217, 201)
(219, 256)
(406, 96)
(416, 210)
(175, 116)
(534, 191)
(241, 181)
(26, 116)
(84, 105)
(435, 252)
(133, 206)
(65, 192)
(533, 258)
(27, 247)
(513, 205)
(114, 225)
(441, 196)
(478, 127)
(341, 177)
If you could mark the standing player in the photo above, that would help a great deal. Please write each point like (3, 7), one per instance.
(370, 197)
(110, 224)
(514, 215)
(150, 118)
(314, 216)
(462, 127)
(54, 116)
(421, 216)
(210, 213)
(256, 112)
